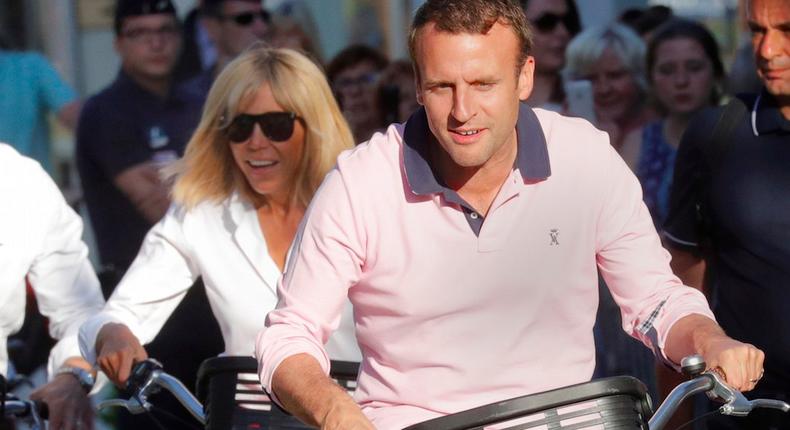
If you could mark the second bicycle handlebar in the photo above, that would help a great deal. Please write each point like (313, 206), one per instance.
(148, 378)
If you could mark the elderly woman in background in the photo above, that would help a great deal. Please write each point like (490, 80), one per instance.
(270, 131)
(555, 23)
(612, 58)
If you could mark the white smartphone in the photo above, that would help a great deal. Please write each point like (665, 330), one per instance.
(579, 97)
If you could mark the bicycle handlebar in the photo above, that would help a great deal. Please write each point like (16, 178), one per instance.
(735, 403)
(148, 378)
(32, 410)
(602, 400)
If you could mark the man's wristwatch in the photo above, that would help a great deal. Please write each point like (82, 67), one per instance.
(84, 377)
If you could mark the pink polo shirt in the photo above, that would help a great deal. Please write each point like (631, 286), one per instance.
(453, 311)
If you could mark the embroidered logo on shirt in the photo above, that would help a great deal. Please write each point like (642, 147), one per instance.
(555, 236)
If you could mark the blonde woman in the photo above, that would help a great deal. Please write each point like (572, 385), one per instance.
(270, 131)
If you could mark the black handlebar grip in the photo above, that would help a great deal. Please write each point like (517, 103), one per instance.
(140, 374)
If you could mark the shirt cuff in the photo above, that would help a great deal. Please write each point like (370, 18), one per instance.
(63, 350)
(270, 358)
(693, 302)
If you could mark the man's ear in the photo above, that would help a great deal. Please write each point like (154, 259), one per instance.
(526, 78)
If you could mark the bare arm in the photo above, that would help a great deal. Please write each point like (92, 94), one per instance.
(141, 184)
(690, 268)
(302, 388)
(740, 363)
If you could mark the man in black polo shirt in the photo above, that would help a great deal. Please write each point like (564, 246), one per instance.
(730, 215)
(126, 133)
(131, 128)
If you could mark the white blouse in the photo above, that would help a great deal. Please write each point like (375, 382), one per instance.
(224, 244)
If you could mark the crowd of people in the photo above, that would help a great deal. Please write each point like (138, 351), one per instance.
(521, 187)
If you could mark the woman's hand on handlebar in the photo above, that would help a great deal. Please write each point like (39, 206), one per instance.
(117, 350)
(740, 364)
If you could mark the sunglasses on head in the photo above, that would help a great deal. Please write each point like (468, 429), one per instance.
(276, 126)
(549, 21)
(247, 18)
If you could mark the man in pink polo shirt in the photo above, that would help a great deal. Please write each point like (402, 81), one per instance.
(469, 241)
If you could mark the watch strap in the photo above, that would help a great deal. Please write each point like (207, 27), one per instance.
(84, 377)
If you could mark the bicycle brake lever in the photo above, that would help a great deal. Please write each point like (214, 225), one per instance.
(132, 405)
(735, 404)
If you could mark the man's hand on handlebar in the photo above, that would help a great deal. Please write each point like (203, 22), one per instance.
(68, 404)
(740, 364)
(117, 349)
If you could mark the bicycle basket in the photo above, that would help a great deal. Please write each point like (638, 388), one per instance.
(619, 402)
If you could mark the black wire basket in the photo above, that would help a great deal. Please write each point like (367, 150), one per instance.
(620, 402)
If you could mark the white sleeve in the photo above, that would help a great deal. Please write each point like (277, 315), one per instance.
(154, 285)
(62, 278)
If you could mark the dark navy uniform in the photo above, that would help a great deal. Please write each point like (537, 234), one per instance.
(122, 126)
(738, 214)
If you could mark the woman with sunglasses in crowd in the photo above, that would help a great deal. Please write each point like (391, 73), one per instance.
(270, 131)
(555, 23)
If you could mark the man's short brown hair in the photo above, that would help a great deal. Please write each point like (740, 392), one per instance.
(474, 17)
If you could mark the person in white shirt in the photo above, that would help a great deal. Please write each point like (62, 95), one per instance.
(270, 131)
(41, 243)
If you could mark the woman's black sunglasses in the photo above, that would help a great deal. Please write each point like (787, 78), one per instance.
(276, 126)
(247, 18)
(549, 21)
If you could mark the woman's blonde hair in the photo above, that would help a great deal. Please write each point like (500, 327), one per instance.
(208, 172)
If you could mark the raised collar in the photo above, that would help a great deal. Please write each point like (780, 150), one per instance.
(766, 116)
(532, 159)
